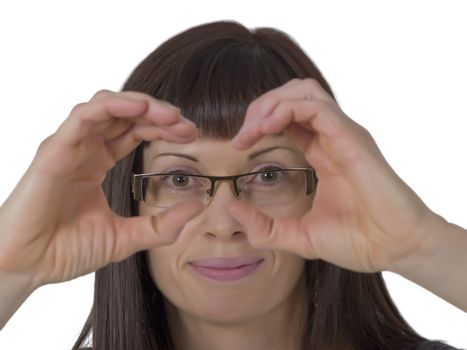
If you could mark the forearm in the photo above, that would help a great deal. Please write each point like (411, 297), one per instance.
(441, 265)
(14, 290)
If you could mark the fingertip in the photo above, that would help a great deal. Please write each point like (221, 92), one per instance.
(198, 206)
(239, 143)
(237, 209)
(235, 142)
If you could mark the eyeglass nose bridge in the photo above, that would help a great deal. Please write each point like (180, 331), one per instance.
(214, 179)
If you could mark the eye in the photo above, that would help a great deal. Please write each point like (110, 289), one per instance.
(179, 178)
(269, 176)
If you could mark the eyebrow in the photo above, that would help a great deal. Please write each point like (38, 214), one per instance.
(251, 156)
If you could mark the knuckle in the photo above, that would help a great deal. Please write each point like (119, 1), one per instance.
(45, 142)
(101, 93)
(310, 83)
(320, 103)
(134, 94)
(329, 104)
(363, 131)
(294, 81)
(77, 109)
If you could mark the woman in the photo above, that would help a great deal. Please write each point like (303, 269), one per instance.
(288, 256)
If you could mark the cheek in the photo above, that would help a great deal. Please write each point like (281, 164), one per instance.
(163, 266)
(276, 283)
(272, 287)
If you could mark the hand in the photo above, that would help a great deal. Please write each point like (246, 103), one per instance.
(56, 225)
(364, 217)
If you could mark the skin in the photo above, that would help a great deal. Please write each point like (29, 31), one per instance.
(246, 314)
(46, 238)
(364, 217)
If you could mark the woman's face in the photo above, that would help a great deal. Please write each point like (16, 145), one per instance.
(215, 233)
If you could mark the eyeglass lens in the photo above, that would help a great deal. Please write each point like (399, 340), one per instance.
(267, 188)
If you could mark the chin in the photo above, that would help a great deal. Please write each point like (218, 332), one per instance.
(228, 314)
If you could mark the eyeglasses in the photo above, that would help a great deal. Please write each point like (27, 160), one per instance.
(270, 186)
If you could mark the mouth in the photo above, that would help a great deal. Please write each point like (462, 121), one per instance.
(226, 269)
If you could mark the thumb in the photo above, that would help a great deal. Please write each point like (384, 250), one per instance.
(142, 232)
(265, 232)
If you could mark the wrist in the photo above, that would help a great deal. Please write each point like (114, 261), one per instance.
(428, 233)
(14, 290)
(440, 263)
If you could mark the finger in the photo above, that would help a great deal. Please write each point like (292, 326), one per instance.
(113, 128)
(344, 141)
(112, 131)
(314, 115)
(301, 136)
(137, 95)
(110, 128)
(163, 105)
(285, 113)
(265, 232)
(259, 109)
(101, 93)
(180, 133)
(142, 232)
(87, 116)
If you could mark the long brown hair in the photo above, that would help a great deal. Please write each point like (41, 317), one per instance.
(212, 72)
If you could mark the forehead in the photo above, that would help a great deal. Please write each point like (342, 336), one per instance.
(220, 147)
(219, 157)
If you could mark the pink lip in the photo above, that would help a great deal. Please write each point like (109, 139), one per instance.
(226, 269)
(226, 262)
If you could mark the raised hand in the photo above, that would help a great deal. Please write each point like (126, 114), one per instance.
(56, 225)
(364, 217)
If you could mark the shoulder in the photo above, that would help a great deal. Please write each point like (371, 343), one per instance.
(435, 345)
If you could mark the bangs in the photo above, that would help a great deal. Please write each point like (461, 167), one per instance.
(213, 77)
(214, 86)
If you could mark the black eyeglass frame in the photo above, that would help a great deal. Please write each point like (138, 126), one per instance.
(137, 180)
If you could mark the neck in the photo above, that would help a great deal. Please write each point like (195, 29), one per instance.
(280, 328)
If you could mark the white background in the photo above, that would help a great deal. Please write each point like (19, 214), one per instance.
(398, 68)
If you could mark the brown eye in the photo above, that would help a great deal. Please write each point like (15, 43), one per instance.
(269, 176)
(180, 180)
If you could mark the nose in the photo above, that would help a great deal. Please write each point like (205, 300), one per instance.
(218, 222)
